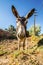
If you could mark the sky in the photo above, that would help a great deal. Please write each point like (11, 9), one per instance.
(23, 7)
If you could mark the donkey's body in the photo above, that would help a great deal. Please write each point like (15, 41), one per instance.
(21, 25)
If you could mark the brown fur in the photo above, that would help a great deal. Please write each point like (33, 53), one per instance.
(21, 25)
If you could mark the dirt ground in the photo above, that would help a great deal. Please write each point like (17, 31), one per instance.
(10, 55)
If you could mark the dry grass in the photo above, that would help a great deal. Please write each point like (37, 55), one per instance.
(9, 55)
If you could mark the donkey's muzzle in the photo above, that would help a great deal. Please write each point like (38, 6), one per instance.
(21, 32)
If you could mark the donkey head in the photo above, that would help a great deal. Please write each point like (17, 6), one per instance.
(21, 21)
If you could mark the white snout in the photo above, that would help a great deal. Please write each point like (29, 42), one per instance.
(21, 31)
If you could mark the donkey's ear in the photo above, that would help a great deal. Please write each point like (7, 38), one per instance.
(15, 11)
(30, 13)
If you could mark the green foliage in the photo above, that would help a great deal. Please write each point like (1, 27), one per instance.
(27, 33)
(11, 28)
(12, 37)
(5, 29)
(37, 30)
(17, 52)
(2, 52)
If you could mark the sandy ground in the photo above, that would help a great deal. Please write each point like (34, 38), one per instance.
(9, 54)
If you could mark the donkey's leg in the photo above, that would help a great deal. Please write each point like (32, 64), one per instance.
(24, 43)
(19, 41)
(18, 45)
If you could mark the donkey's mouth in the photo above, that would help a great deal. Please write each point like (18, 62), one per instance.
(21, 36)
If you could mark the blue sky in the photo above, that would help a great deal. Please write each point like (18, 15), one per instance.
(23, 7)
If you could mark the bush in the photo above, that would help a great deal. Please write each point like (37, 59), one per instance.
(37, 30)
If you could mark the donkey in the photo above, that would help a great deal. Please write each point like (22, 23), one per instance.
(21, 26)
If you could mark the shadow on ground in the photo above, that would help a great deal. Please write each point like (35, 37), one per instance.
(40, 43)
